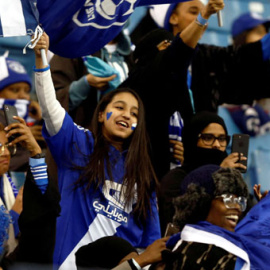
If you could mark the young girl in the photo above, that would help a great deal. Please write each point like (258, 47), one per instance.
(105, 176)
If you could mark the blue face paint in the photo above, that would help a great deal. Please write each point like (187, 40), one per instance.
(109, 114)
(133, 126)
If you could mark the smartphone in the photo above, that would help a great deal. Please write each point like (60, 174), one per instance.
(9, 112)
(171, 229)
(240, 144)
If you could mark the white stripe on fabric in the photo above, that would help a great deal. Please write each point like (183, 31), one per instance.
(39, 170)
(175, 137)
(195, 235)
(3, 67)
(12, 18)
(100, 227)
(43, 167)
(40, 177)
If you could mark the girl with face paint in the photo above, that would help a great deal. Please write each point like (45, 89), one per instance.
(105, 176)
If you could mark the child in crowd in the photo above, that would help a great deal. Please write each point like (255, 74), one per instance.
(105, 176)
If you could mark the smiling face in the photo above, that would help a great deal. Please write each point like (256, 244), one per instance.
(223, 217)
(19, 90)
(119, 118)
(5, 157)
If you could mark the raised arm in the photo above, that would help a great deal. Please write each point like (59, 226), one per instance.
(52, 112)
(192, 33)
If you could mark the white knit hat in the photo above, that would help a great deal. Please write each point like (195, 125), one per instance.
(161, 13)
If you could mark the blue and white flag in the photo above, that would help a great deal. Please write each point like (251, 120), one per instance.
(18, 17)
(82, 27)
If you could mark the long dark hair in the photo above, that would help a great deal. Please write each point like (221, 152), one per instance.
(138, 167)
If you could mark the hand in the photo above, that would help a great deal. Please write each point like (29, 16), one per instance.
(26, 138)
(100, 83)
(152, 253)
(231, 161)
(43, 43)
(35, 110)
(257, 192)
(18, 205)
(178, 150)
(212, 7)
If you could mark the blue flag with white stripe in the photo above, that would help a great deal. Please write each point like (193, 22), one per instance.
(76, 28)
(18, 17)
(82, 27)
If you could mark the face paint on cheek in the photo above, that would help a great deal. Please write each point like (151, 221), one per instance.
(109, 114)
(133, 126)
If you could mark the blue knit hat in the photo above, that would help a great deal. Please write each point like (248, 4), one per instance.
(216, 180)
(12, 71)
(247, 21)
(201, 176)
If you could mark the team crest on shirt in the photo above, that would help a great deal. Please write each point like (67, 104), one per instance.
(113, 207)
(103, 14)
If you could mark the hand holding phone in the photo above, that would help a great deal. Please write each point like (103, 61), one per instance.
(240, 144)
(9, 112)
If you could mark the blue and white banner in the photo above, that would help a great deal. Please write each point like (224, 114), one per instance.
(82, 27)
(76, 28)
(18, 17)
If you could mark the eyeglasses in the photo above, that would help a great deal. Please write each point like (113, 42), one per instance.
(11, 148)
(231, 200)
(209, 139)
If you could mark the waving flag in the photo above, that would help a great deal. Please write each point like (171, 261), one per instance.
(18, 17)
(82, 27)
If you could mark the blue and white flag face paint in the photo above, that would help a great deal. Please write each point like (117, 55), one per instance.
(82, 27)
(18, 17)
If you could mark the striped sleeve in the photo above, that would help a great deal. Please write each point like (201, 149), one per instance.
(38, 168)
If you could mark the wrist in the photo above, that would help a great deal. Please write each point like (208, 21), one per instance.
(134, 265)
(201, 21)
(37, 154)
(141, 260)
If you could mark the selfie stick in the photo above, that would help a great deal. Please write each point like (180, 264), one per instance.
(219, 15)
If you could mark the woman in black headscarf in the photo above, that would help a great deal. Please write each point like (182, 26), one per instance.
(205, 139)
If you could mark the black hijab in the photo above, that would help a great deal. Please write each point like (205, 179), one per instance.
(195, 156)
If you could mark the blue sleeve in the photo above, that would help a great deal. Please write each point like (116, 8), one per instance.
(152, 230)
(266, 47)
(15, 217)
(71, 145)
(78, 92)
(256, 223)
(39, 171)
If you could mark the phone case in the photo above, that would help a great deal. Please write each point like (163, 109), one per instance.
(240, 144)
(9, 112)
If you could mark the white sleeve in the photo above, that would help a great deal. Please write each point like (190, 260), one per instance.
(52, 112)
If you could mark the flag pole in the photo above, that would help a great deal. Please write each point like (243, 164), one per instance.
(44, 57)
(220, 21)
